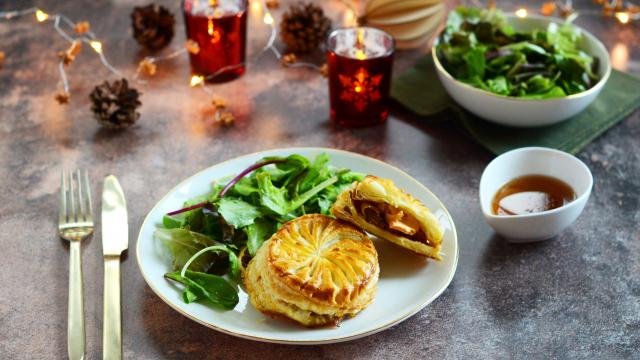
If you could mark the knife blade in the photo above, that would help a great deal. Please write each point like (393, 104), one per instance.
(115, 239)
(115, 231)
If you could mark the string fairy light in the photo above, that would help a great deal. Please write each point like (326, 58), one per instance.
(623, 17)
(41, 16)
(196, 80)
(96, 45)
(81, 33)
(624, 12)
(522, 13)
(268, 19)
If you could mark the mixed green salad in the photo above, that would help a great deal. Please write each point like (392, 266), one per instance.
(210, 237)
(480, 48)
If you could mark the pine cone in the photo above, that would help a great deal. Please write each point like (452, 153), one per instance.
(304, 27)
(115, 104)
(153, 26)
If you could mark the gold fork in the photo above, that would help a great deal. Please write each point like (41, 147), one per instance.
(75, 223)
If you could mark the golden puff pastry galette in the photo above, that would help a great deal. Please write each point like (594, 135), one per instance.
(315, 270)
(382, 209)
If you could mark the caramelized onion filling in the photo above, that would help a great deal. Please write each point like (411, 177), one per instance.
(391, 219)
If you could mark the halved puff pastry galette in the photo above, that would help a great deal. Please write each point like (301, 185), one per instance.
(382, 209)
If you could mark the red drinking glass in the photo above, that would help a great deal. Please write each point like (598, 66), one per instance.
(220, 29)
(360, 61)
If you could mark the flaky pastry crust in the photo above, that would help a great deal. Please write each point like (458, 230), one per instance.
(380, 195)
(315, 270)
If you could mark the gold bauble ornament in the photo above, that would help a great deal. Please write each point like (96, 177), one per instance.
(411, 22)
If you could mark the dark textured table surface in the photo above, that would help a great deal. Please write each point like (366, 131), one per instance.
(576, 296)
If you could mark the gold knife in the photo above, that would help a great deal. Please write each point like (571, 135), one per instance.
(115, 239)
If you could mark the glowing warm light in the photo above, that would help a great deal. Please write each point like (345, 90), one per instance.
(358, 89)
(349, 18)
(196, 80)
(256, 7)
(41, 15)
(620, 56)
(522, 13)
(360, 54)
(96, 45)
(268, 19)
(623, 17)
(215, 37)
(210, 26)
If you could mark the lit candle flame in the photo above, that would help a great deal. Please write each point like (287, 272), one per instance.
(41, 15)
(623, 17)
(196, 80)
(96, 45)
(522, 13)
(268, 19)
(358, 88)
(360, 54)
(210, 26)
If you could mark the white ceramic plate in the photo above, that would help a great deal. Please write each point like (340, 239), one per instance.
(407, 282)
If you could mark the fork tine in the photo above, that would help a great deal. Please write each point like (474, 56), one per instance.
(62, 207)
(72, 200)
(87, 191)
(81, 206)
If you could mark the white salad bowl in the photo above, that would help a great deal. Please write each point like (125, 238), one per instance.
(535, 161)
(518, 112)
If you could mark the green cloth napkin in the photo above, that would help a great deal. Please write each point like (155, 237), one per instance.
(420, 90)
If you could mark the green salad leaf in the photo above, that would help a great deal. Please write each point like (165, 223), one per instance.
(183, 244)
(202, 286)
(237, 212)
(480, 48)
(257, 233)
(272, 197)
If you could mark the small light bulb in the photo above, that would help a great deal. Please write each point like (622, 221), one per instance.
(358, 89)
(41, 15)
(268, 19)
(522, 13)
(623, 17)
(196, 80)
(96, 45)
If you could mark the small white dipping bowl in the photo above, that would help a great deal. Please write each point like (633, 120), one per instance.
(518, 112)
(535, 161)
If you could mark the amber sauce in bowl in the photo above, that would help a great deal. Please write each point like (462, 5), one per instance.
(531, 194)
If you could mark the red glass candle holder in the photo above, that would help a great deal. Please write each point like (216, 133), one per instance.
(220, 29)
(360, 61)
